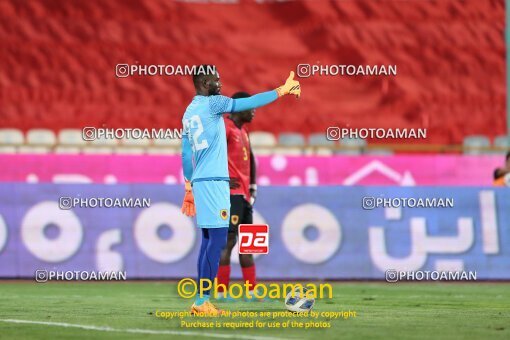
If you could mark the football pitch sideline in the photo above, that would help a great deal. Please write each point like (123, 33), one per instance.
(127, 310)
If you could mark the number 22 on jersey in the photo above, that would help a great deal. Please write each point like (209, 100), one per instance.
(195, 123)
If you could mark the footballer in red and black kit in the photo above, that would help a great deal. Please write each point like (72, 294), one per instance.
(243, 191)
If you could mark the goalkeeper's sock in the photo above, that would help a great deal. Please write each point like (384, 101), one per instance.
(201, 254)
(210, 255)
(249, 276)
(223, 278)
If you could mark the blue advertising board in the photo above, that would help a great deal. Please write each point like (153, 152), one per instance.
(315, 232)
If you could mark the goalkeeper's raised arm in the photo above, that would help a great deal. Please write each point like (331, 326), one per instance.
(291, 86)
(210, 86)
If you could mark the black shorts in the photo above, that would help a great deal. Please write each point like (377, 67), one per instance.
(241, 212)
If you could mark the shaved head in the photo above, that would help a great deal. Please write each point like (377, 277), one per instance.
(203, 76)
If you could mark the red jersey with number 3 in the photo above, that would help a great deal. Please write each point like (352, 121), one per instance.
(238, 145)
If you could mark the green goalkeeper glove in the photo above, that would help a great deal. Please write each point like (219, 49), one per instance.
(291, 86)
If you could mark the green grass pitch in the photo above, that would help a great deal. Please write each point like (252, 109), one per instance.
(95, 310)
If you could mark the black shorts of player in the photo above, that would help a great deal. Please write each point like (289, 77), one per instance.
(241, 212)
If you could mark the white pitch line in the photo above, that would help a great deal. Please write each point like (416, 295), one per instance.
(141, 331)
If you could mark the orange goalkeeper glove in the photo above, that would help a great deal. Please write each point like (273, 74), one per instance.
(188, 204)
(291, 86)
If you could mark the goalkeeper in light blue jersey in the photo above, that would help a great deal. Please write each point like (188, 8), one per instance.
(205, 167)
